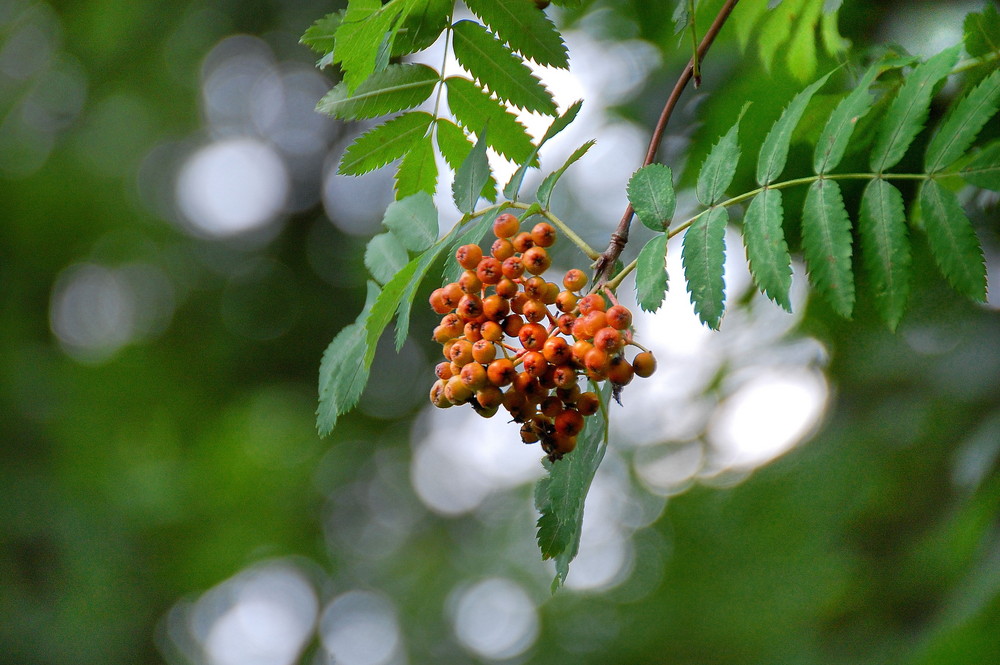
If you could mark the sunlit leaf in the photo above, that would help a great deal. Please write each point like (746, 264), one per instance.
(320, 36)
(840, 126)
(424, 21)
(475, 109)
(396, 88)
(651, 273)
(908, 111)
(885, 248)
(471, 176)
(360, 36)
(418, 169)
(385, 143)
(826, 240)
(959, 130)
(953, 241)
(385, 255)
(703, 256)
(414, 220)
(544, 193)
(774, 151)
(524, 28)
(651, 192)
(720, 166)
(498, 69)
(767, 251)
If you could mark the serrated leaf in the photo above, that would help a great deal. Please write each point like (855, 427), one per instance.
(414, 220)
(561, 494)
(952, 241)
(703, 256)
(472, 234)
(497, 68)
(960, 128)
(418, 170)
(513, 186)
(385, 143)
(404, 287)
(651, 273)
(774, 151)
(767, 251)
(425, 20)
(525, 28)
(681, 16)
(341, 377)
(908, 111)
(982, 32)
(320, 36)
(361, 36)
(396, 88)
(385, 255)
(455, 147)
(840, 125)
(826, 240)
(471, 176)
(544, 193)
(651, 192)
(984, 169)
(720, 165)
(474, 109)
(885, 248)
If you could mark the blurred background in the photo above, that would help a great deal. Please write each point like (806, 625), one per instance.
(176, 251)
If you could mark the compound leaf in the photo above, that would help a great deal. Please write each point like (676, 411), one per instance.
(474, 109)
(840, 125)
(321, 35)
(414, 220)
(525, 28)
(360, 38)
(498, 69)
(418, 170)
(651, 192)
(385, 255)
(774, 151)
(960, 128)
(544, 193)
(703, 256)
(885, 248)
(471, 177)
(908, 111)
(826, 239)
(984, 169)
(767, 251)
(396, 88)
(720, 166)
(381, 145)
(952, 241)
(424, 21)
(651, 273)
(560, 496)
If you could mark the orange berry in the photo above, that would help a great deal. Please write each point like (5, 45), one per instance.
(471, 331)
(489, 397)
(501, 371)
(609, 340)
(594, 321)
(492, 331)
(450, 295)
(596, 360)
(620, 371)
(562, 444)
(470, 307)
(574, 280)
(534, 363)
(593, 301)
(534, 311)
(522, 242)
(534, 287)
(469, 283)
(512, 325)
(581, 349)
(619, 317)
(550, 293)
(443, 370)
(506, 288)
(644, 364)
(495, 307)
(505, 225)
(566, 301)
(457, 391)
(489, 270)
(484, 351)
(532, 336)
(536, 260)
(438, 303)
(543, 234)
(502, 249)
(468, 256)
(564, 377)
(565, 323)
(512, 267)
(437, 395)
(474, 376)
(461, 352)
(569, 423)
(588, 403)
(551, 406)
(528, 433)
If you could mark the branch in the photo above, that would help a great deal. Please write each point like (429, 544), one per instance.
(605, 264)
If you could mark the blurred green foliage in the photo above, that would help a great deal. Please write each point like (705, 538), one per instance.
(136, 479)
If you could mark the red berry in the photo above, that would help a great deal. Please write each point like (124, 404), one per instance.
(532, 336)
(619, 317)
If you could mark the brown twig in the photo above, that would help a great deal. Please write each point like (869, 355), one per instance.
(605, 263)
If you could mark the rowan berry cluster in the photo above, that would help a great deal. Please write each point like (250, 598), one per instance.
(505, 347)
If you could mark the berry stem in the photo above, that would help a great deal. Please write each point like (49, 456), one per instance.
(591, 253)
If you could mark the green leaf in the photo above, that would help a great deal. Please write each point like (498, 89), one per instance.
(908, 111)
(826, 240)
(396, 88)
(840, 126)
(774, 151)
(359, 38)
(560, 496)
(381, 145)
(525, 28)
(745, 17)
(513, 186)
(471, 177)
(403, 289)
(474, 109)
(389, 301)
(800, 53)
(455, 147)
(775, 29)
(472, 234)
(952, 241)
(959, 130)
(767, 251)
(720, 166)
(418, 170)
(885, 248)
(651, 273)
(984, 169)
(651, 193)
(341, 377)
(982, 32)
(385, 255)
(703, 256)
(320, 35)
(544, 193)
(423, 23)
(414, 220)
(498, 69)
(681, 16)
